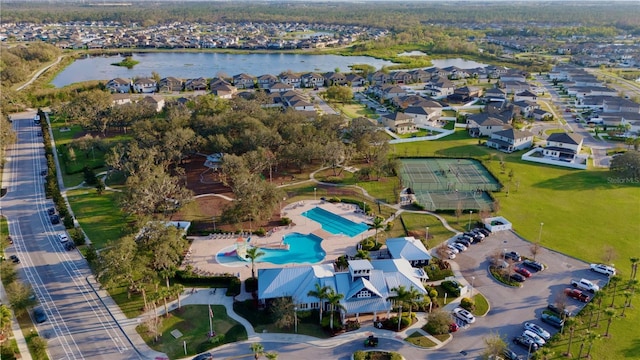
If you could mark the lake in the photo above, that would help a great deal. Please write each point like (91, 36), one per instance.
(206, 64)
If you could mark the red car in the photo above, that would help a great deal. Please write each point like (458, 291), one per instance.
(453, 327)
(522, 271)
(576, 294)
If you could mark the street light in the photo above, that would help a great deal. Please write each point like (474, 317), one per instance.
(473, 278)
(426, 237)
(470, 212)
(314, 194)
(540, 233)
(529, 352)
(295, 318)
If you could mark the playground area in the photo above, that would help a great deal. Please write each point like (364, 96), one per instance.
(449, 184)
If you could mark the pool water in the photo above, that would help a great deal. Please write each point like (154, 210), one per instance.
(335, 224)
(302, 249)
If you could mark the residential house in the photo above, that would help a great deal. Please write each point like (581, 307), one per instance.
(513, 87)
(399, 123)
(514, 75)
(198, 84)
(356, 80)
(510, 140)
(120, 99)
(119, 85)
(335, 78)
(424, 115)
(464, 94)
(223, 90)
(290, 79)
(526, 95)
(145, 86)
(266, 81)
(400, 77)
(420, 76)
(312, 80)
(541, 115)
(410, 249)
(484, 124)
(456, 73)
(563, 146)
(380, 77)
(244, 81)
(440, 86)
(495, 94)
(157, 102)
(526, 107)
(281, 87)
(170, 84)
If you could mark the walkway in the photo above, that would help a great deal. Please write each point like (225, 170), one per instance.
(37, 74)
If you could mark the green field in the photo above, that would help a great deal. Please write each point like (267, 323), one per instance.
(99, 215)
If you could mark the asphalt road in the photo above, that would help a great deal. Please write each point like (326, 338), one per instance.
(78, 325)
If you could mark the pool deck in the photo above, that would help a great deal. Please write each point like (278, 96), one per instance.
(202, 254)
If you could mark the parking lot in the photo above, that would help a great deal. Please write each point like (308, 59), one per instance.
(511, 307)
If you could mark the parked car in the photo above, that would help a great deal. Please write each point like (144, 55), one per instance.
(453, 327)
(525, 342)
(43, 173)
(63, 237)
(603, 269)
(463, 241)
(510, 355)
(533, 265)
(453, 249)
(522, 271)
(576, 294)
(55, 219)
(39, 315)
(559, 311)
(484, 231)
(463, 314)
(552, 320)
(460, 246)
(585, 284)
(517, 277)
(535, 337)
(205, 356)
(14, 259)
(51, 211)
(513, 256)
(538, 330)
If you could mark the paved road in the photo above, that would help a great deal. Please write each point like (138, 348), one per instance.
(78, 325)
(37, 74)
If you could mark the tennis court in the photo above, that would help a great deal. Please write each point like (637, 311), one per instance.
(448, 184)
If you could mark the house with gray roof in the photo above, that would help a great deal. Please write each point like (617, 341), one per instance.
(510, 140)
(399, 123)
(563, 145)
(409, 248)
(485, 124)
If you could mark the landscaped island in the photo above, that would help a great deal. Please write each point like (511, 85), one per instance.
(128, 62)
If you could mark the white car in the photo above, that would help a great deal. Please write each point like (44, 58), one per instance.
(538, 330)
(533, 336)
(603, 269)
(453, 249)
(585, 284)
(460, 246)
(463, 314)
(451, 255)
(63, 238)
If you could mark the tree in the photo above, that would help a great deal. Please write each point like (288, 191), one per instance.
(627, 295)
(458, 212)
(8, 272)
(413, 299)
(610, 312)
(252, 254)
(282, 312)
(321, 294)
(570, 323)
(399, 298)
(591, 338)
(534, 249)
(176, 290)
(632, 285)
(5, 318)
(20, 297)
(438, 321)
(496, 345)
(634, 266)
(613, 281)
(333, 299)
(363, 254)
(626, 165)
(378, 223)
(257, 349)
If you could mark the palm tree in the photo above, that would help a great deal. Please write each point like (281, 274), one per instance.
(544, 353)
(377, 225)
(609, 312)
(632, 284)
(401, 296)
(321, 294)
(590, 308)
(597, 297)
(414, 297)
(627, 296)
(634, 267)
(253, 253)
(570, 323)
(363, 254)
(257, 349)
(176, 290)
(614, 282)
(341, 262)
(334, 299)
(591, 338)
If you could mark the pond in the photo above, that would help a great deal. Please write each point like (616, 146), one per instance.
(206, 64)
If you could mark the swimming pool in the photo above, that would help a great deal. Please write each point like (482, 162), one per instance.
(335, 224)
(303, 249)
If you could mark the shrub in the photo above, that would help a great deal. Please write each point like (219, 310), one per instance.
(359, 355)
(260, 232)
(335, 199)
(433, 293)
(251, 285)
(77, 236)
(368, 244)
(468, 304)
(68, 222)
(285, 221)
(451, 287)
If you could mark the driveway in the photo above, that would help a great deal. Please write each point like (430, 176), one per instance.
(511, 307)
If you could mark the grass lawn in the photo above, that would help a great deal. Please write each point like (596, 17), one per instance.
(193, 322)
(554, 131)
(355, 110)
(99, 215)
(308, 321)
(417, 339)
(482, 305)
(418, 222)
(131, 307)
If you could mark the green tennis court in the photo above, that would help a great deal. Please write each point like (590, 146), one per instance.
(448, 184)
